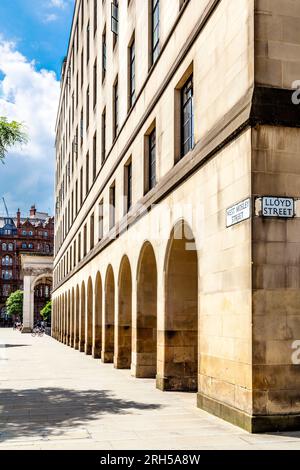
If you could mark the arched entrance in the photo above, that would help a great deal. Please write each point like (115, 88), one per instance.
(97, 322)
(122, 358)
(146, 326)
(180, 340)
(107, 353)
(77, 319)
(82, 319)
(89, 319)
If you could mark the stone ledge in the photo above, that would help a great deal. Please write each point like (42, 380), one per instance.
(252, 424)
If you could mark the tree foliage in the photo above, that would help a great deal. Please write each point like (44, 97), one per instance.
(11, 133)
(14, 304)
(46, 311)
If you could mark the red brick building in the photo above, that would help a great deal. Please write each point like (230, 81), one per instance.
(31, 234)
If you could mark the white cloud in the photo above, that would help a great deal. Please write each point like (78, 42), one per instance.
(59, 3)
(50, 18)
(29, 96)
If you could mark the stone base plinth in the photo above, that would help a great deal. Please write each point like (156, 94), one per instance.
(253, 424)
(26, 329)
(176, 384)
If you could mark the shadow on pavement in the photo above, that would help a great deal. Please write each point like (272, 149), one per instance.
(14, 345)
(41, 412)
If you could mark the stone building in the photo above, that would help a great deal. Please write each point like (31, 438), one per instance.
(177, 131)
(28, 235)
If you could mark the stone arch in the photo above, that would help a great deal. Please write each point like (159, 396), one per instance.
(122, 358)
(179, 343)
(72, 319)
(108, 331)
(82, 319)
(97, 320)
(146, 321)
(89, 318)
(77, 318)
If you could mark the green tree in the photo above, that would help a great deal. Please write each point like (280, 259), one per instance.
(46, 311)
(14, 304)
(11, 133)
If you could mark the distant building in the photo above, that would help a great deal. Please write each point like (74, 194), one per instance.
(30, 235)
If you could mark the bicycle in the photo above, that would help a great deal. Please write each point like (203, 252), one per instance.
(38, 331)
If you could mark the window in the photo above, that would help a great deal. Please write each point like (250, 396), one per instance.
(81, 186)
(154, 30)
(7, 261)
(7, 275)
(150, 160)
(87, 173)
(115, 20)
(131, 73)
(101, 217)
(4, 247)
(74, 254)
(30, 246)
(85, 240)
(115, 109)
(95, 84)
(92, 232)
(10, 247)
(79, 247)
(95, 156)
(112, 206)
(88, 43)
(87, 107)
(81, 127)
(24, 246)
(76, 197)
(128, 186)
(82, 13)
(95, 16)
(104, 54)
(187, 117)
(103, 136)
(82, 60)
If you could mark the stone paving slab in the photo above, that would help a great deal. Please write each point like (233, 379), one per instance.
(53, 397)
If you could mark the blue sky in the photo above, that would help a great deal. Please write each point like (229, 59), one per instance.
(34, 36)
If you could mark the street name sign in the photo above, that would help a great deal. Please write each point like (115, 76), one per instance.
(280, 207)
(238, 213)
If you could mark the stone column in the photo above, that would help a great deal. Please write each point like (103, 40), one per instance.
(28, 304)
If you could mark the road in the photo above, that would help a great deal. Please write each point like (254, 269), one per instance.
(53, 397)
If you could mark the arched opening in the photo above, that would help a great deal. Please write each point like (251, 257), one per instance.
(180, 340)
(107, 354)
(42, 295)
(72, 319)
(89, 319)
(97, 323)
(82, 319)
(68, 297)
(62, 317)
(77, 319)
(146, 333)
(122, 358)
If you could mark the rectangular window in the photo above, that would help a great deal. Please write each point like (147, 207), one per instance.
(115, 109)
(112, 206)
(154, 30)
(152, 159)
(95, 156)
(87, 173)
(79, 247)
(82, 13)
(92, 232)
(77, 90)
(95, 84)
(104, 54)
(76, 197)
(95, 16)
(103, 138)
(84, 240)
(88, 43)
(115, 19)
(81, 127)
(131, 74)
(81, 186)
(74, 253)
(82, 71)
(128, 186)
(87, 107)
(101, 217)
(187, 117)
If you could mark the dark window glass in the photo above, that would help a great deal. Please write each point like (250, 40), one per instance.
(152, 159)
(103, 156)
(95, 156)
(187, 117)
(87, 107)
(155, 30)
(88, 43)
(116, 109)
(95, 84)
(132, 74)
(104, 54)
(129, 185)
(112, 206)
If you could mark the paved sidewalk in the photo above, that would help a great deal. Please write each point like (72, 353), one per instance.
(52, 397)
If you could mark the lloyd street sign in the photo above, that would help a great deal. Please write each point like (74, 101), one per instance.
(238, 213)
(278, 207)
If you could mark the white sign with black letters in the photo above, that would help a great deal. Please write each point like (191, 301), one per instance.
(238, 213)
(280, 207)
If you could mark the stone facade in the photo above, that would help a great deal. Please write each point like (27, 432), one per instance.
(165, 288)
